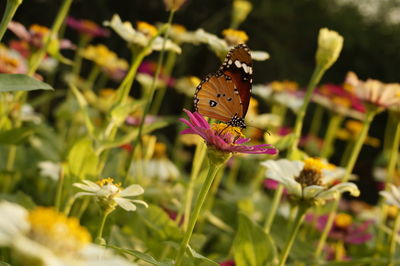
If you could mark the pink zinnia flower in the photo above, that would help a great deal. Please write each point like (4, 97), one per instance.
(228, 139)
(87, 27)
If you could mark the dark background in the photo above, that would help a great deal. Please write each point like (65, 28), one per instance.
(287, 29)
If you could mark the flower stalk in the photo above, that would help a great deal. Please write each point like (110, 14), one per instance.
(295, 229)
(216, 160)
(334, 124)
(372, 111)
(393, 238)
(11, 8)
(99, 238)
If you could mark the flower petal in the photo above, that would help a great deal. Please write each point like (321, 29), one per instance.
(125, 204)
(132, 190)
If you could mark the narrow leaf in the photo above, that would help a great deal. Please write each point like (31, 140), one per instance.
(143, 256)
(15, 136)
(21, 82)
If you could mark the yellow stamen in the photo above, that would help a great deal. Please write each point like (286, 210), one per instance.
(222, 128)
(285, 85)
(392, 211)
(38, 29)
(234, 37)
(108, 181)
(160, 150)
(147, 29)
(341, 101)
(316, 165)
(56, 231)
(343, 220)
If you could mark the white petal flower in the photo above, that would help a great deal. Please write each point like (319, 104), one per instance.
(45, 237)
(392, 196)
(131, 35)
(110, 194)
(50, 169)
(311, 181)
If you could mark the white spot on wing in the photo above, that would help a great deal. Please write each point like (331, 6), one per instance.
(238, 64)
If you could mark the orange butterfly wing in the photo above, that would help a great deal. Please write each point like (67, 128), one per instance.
(225, 95)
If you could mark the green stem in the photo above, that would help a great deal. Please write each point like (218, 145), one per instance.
(99, 238)
(393, 237)
(292, 236)
(154, 82)
(94, 73)
(170, 62)
(212, 171)
(198, 159)
(316, 120)
(315, 78)
(62, 13)
(11, 8)
(334, 123)
(388, 136)
(76, 67)
(394, 154)
(274, 208)
(349, 168)
(60, 184)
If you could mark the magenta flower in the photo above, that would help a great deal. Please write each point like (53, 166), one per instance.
(344, 228)
(87, 27)
(226, 140)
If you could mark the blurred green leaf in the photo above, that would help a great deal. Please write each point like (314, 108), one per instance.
(20, 82)
(143, 256)
(82, 160)
(15, 136)
(20, 198)
(196, 255)
(161, 225)
(252, 246)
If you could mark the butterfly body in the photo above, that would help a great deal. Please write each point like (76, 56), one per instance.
(225, 95)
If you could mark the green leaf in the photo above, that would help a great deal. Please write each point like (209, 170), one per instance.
(252, 246)
(15, 136)
(2, 263)
(20, 198)
(143, 256)
(196, 255)
(160, 224)
(84, 107)
(20, 82)
(82, 160)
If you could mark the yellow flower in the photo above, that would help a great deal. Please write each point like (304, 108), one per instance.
(223, 129)
(330, 44)
(343, 220)
(39, 30)
(48, 227)
(285, 85)
(240, 11)
(147, 29)
(234, 37)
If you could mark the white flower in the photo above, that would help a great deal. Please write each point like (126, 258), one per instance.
(293, 100)
(28, 114)
(311, 180)
(131, 35)
(109, 194)
(375, 92)
(263, 91)
(45, 237)
(392, 196)
(50, 169)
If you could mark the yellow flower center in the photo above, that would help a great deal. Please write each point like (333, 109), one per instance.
(343, 220)
(354, 126)
(59, 233)
(341, 101)
(108, 182)
(178, 29)
(392, 211)
(223, 129)
(38, 29)
(285, 85)
(147, 29)
(160, 150)
(234, 37)
(316, 164)
(312, 172)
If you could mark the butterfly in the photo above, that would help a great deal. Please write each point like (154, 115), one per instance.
(225, 95)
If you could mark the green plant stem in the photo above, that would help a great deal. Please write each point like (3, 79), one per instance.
(316, 120)
(84, 39)
(198, 159)
(60, 184)
(94, 73)
(154, 82)
(273, 209)
(298, 126)
(170, 62)
(39, 55)
(334, 123)
(388, 135)
(349, 168)
(394, 154)
(11, 8)
(292, 236)
(212, 171)
(99, 238)
(392, 246)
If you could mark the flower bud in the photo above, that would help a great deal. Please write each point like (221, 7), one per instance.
(173, 5)
(240, 11)
(330, 44)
